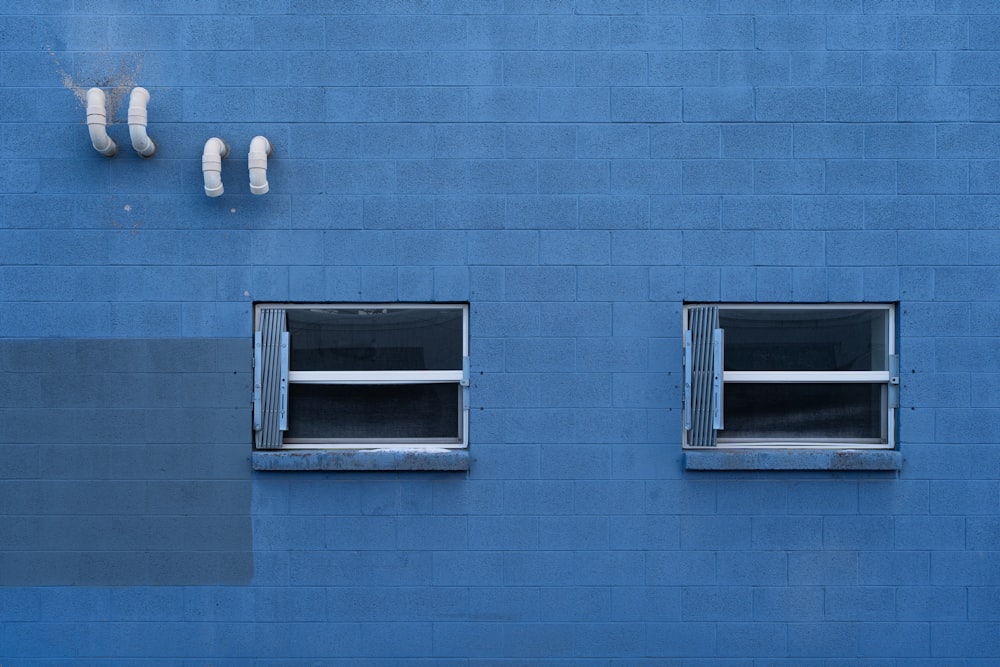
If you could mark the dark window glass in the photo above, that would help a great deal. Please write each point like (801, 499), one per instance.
(378, 412)
(802, 411)
(375, 339)
(804, 340)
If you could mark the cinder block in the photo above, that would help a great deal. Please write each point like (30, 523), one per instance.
(799, 604)
(680, 568)
(541, 212)
(728, 177)
(576, 319)
(823, 568)
(646, 176)
(646, 105)
(869, 104)
(432, 104)
(788, 248)
(895, 639)
(538, 68)
(579, 105)
(446, 533)
(549, 283)
(683, 68)
(789, 177)
(861, 177)
(612, 141)
(491, 532)
(973, 639)
(573, 533)
(396, 141)
(539, 354)
(502, 32)
(857, 33)
(790, 33)
(898, 68)
(541, 141)
(573, 176)
(681, 639)
(706, 33)
(962, 140)
(756, 141)
(967, 68)
(796, 105)
(868, 248)
(470, 140)
(686, 212)
(506, 104)
(751, 568)
(899, 141)
(784, 533)
(355, 32)
(466, 68)
(711, 603)
(894, 568)
(984, 177)
(430, 247)
(939, 33)
(394, 68)
(738, 283)
(378, 283)
(717, 247)
(596, 639)
(737, 68)
(933, 104)
(665, 282)
(469, 212)
(982, 605)
(603, 68)
(458, 639)
(612, 354)
(757, 212)
(728, 105)
(646, 33)
(683, 140)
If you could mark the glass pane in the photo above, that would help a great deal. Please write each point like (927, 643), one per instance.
(803, 411)
(375, 339)
(805, 339)
(332, 412)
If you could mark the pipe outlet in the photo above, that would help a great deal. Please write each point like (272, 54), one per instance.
(141, 142)
(216, 150)
(97, 123)
(260, 150)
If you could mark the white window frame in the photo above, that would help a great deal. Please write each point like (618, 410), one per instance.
(459, 377)
(889, 379)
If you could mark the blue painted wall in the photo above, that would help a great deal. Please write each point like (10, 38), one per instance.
(575, 170)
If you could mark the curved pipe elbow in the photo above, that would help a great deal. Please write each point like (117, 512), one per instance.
(260, 150)
(97, 123)
(137, 118)
(216, 150)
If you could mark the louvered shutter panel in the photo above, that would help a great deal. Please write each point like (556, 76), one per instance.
(271, 379)
(703, 376)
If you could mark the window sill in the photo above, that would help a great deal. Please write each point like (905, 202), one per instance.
(793, 459)
(362, 459)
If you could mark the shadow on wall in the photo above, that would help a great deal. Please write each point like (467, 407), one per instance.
(124, 462)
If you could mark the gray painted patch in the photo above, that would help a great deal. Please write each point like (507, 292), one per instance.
(125, 462)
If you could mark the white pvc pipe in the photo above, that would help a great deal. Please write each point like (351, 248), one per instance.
(141, 142)
(97, 123)
(260, 149)
(216, 150)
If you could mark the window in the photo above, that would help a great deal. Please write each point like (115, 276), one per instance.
(360, 376)
(822, 376)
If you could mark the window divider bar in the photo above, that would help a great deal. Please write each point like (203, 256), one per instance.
(808, 376)
(375, 377)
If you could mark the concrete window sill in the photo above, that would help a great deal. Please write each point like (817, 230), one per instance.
(793, 459)
(361, 459)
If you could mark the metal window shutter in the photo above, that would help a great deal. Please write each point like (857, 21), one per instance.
(271, 379)
(703, 381)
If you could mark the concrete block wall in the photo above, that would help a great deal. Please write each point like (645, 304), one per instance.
(575, 170)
